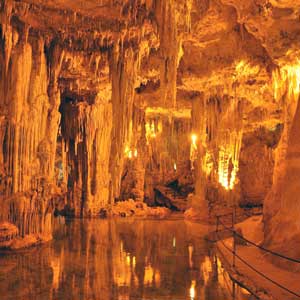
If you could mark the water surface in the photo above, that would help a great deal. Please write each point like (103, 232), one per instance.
(119, 259)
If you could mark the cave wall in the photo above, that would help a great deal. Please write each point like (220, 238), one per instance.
(86, 131)
(281, 206)
(256, 165)
(168, 158)
(30, 120)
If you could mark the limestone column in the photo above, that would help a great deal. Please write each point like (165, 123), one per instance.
(282, 230)
(199, 202)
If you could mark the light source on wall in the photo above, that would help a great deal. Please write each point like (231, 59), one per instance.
(287, 78)
(227, 170)
(153, 128)
(193, 150)
(126, 151)
(129, 153)
(175, 167)
(194, 138)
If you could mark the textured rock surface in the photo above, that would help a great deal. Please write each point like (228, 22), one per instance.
(8, 233)
(256, 164)
(98, 101)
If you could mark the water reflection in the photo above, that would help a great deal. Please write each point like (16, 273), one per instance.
(118, 260)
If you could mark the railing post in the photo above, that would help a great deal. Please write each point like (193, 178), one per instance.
(233, 236)
(234, 248)
(233, 290)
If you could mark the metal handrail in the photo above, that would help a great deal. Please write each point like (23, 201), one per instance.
(258, 272)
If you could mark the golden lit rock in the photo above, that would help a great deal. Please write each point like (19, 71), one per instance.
(138, 109)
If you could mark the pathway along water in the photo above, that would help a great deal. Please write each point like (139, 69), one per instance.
(119, 259)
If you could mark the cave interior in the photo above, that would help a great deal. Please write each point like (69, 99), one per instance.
(150, 109)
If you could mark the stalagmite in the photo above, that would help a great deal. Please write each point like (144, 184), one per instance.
(199, 205)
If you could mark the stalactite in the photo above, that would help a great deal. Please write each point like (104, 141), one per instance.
(55, 59)
(86, 130)
(123, 69)
(167, 24)
(133, 178)
(7, 30)
(27, 135)
(225, 131)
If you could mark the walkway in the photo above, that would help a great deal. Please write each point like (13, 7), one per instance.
(256, 283)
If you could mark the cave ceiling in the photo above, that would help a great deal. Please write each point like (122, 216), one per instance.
(226, 47)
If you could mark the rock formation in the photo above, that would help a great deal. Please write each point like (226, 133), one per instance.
(103, 101)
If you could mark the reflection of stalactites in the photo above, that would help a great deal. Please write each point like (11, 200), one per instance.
(191, 250)
(56, 269)
(151, 276)
(206, 268)
(192, 290)
(124, 268)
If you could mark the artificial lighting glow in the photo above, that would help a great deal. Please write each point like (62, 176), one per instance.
(227, 170)
(175, 167)
(127, 149)
(228, 161)
(245, 69)
(287, 78)
(192, 290)
(151, 276)
(174, 242)
(193, 150)
(134, 261)
(191, 249)
(128, 259)
(130, 153)
(194, 138)
(152, 129)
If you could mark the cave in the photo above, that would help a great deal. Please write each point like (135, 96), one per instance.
(149, 149)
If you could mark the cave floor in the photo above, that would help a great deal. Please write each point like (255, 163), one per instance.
(118, 259)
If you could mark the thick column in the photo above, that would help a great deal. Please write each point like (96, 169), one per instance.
(282, 227)
(198, 201)
(123, 68)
